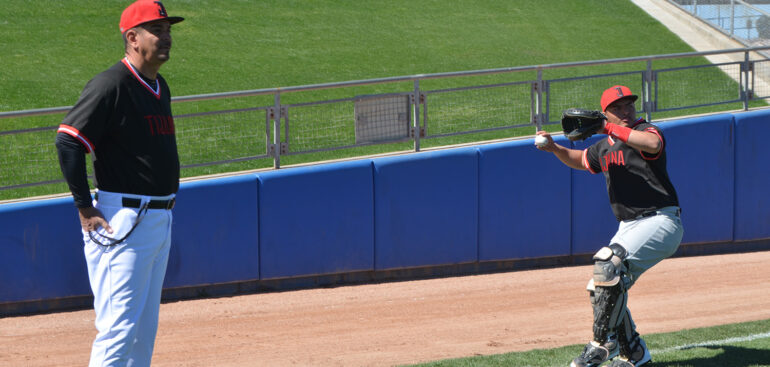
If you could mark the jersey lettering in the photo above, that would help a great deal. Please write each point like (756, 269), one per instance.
(160, 125)
(635, 183)
(612, 158)
(148, 162)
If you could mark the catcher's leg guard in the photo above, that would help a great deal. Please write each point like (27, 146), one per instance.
(633, 349)
(627, 331)
(607, 290)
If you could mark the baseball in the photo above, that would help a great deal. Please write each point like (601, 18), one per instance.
(541, 141)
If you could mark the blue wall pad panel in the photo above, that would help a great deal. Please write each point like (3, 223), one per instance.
(700, 154)
(316, 220)
(752, 175)
(426, 209)
(214, 233)
(524, 202)
(593, 222)
(42, 251)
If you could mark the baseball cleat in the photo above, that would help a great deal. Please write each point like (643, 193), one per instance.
(594, 354)
(639, 357)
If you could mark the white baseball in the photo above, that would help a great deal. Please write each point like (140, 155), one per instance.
(541, 141)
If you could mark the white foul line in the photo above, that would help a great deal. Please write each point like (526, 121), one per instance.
(713, 343)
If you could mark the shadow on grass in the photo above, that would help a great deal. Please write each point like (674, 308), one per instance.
(730, 356)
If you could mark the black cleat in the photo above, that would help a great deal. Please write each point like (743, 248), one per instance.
(594, 354)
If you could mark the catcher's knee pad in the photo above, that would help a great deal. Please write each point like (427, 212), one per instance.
(609, 266)
(608, 291)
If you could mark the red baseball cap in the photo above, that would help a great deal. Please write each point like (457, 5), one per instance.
(615, 93)
(143, 11)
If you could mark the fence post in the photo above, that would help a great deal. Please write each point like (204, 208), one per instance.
(647, 92)
(416, 115)
(532, 104)
(539, 115)
(746, 91)
(277, 131)
(732, 18)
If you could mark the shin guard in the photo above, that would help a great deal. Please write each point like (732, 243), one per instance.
(607, 290)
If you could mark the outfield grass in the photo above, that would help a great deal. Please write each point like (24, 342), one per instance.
(736, 345)
(53, 47)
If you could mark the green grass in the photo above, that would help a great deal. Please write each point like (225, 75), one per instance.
(53, 47)
(735, 345)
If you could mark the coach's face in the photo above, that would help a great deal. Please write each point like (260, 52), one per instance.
(621, 112)
(153, 41)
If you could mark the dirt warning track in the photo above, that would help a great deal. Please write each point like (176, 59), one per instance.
(412, 321)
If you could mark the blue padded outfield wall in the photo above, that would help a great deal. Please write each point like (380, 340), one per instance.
(426, 209)
(316, 220)
(418, 213)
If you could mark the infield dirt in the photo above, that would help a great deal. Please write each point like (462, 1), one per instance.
(411, 321)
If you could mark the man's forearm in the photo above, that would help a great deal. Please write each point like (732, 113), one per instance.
(72, 162)
(570, 157)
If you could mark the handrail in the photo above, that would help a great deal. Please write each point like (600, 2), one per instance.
(352, 83)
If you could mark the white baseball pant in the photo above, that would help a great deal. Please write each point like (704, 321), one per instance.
(127, 279)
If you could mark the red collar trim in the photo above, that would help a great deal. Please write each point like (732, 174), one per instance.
(155, 92)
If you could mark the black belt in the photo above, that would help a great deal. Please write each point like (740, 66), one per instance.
(137, 203)
(154, 204)
(656, 212)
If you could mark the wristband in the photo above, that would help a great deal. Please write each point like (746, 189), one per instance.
(620, 132)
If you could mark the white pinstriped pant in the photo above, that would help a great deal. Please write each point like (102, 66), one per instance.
(126, 280)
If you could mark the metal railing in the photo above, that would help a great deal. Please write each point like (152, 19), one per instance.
(418, 109)
(745, 21)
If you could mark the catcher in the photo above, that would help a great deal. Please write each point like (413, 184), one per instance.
(633, 161)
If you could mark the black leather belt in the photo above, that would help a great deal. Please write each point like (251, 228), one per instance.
(154, 204)
(656, 212)
(137, 203)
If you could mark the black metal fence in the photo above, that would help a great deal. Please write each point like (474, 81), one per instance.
(313, 121)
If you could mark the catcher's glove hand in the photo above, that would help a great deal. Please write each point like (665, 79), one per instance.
(580, 124)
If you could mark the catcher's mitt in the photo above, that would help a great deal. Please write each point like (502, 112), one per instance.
(580, 124)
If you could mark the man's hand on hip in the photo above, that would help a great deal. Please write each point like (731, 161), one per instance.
(91, 219)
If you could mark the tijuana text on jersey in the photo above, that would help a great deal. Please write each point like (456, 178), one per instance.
(128, 126)
(637, 182)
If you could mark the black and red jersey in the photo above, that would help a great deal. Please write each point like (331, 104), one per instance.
(637, 182)
(127, 124)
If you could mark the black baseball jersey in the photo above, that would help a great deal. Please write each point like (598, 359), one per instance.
(127, 124)
(637, 182)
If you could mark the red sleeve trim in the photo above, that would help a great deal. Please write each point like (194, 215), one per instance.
(73, 132)
(585, 161)
(662, 145)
